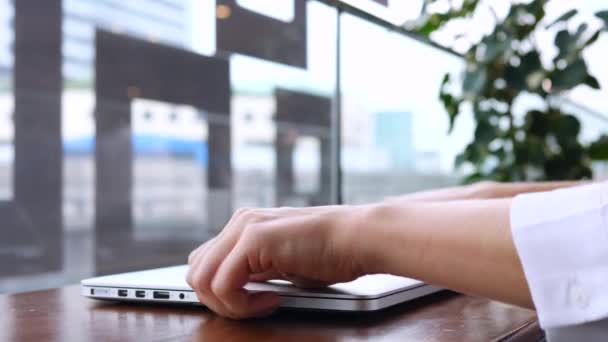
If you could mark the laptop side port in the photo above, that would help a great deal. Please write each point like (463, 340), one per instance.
(160, 295)
(123, 293)
(140, 294)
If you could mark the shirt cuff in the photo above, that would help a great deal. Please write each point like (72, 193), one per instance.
(562, 242)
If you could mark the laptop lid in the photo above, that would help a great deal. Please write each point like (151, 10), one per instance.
(174, 278)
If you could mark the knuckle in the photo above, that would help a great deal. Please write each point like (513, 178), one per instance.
(218, 289)
(253, 231)
(251, 215)
(241, 212)
(202, 283)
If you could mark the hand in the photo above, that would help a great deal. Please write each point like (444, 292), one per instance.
(310, 247)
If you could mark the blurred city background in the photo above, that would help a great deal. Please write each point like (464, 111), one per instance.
(393, 129)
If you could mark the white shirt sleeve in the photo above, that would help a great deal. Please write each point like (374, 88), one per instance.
(562, 241)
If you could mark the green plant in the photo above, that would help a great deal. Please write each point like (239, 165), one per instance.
(506, 65)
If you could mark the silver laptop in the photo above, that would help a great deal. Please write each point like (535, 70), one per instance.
(168, 285)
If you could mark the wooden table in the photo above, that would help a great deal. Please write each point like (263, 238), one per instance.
(63, 315)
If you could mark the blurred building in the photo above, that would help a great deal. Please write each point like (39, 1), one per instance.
(393, 133)
(163, 21)
(6, 38)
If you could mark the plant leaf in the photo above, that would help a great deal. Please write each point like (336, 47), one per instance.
(573, 75)
(564, 17)
(603, 15)
(432, 24)
(598, 150)
(475, 153)
(474, 79)
(537, 123)
(566, 129)
(564, 42)
(474, 178)
(520, 77)
(460, 159)
(537, 8)
(449, 101)
(445, 80)
(593, 38)
(484, 132)
(530, 152)
(592, 82)
(580, 30)
(569, 44)
(496, 44)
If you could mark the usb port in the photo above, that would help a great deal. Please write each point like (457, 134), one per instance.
(161, 295)
(140, 294)
(123, 293)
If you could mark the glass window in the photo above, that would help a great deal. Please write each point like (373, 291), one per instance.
(154, 136)
(169, 171)
(6, 101)
(394, 129)
(265, 96)
(141, 125)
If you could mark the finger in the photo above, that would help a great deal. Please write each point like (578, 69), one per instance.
(211, 260)
(224, 244)
(199, 250)
(208, 263)
(265, 276)
(202, 292)
(228, 284)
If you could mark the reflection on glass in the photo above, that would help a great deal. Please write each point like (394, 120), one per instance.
(253, 132)
(164, 22)
(394, 130)
(307, 165)
(170, 165)
(254, 127)
(247, 31)
(6, 143)
(78, 135)
(593, 125)
(6, 101)
(396, 12)
(282, 10)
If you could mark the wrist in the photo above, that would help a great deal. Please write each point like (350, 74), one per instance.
(484, 190)
(384, 238)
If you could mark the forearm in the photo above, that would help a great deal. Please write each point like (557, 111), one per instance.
(465, 246)
(505, 190)
(481, 190)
